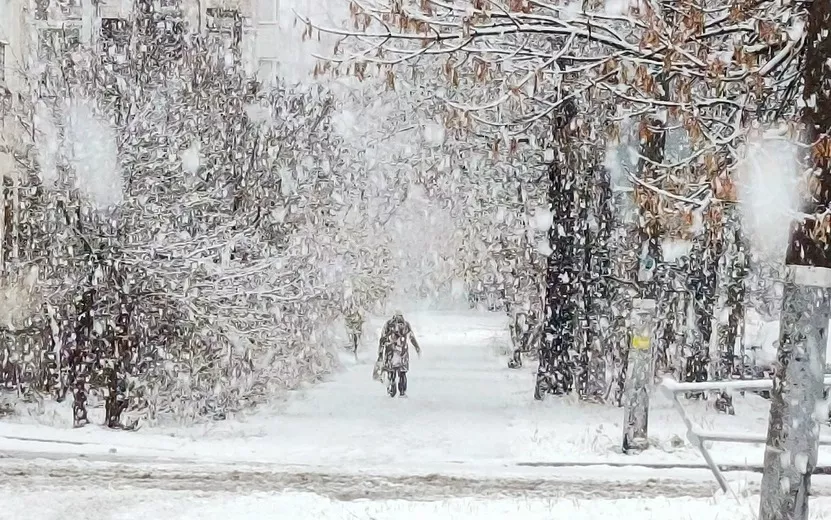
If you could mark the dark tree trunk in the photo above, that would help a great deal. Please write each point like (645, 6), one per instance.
(555, 374)
(653, 141)
(81, 359)
(121, 360)
(735, 302)
(596, 285)
(704, 285)
(582, 258)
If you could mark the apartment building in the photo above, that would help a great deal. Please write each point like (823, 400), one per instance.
(31, 29)
(12, 35)
(34, 26)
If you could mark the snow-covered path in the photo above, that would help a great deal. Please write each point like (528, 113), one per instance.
(466, 415)
(461, 401)
(460, 394)
(155, 504)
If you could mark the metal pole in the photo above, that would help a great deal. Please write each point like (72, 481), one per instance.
(698, 442)
(638, 377)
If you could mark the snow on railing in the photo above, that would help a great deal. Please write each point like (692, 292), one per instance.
(697, 436)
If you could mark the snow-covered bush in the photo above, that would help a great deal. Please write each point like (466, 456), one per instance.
(190, 227)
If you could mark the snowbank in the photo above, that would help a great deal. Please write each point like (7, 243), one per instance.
(466, 412)
(137, 504)
(762, 337)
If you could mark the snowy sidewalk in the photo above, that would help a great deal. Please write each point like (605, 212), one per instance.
(466, 414)
(107, 504)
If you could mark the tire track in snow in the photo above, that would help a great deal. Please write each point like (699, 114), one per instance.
(338, 486)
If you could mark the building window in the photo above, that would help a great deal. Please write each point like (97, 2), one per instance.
(169, 33)
(267, 70)
(71, 9)
(53, 47)
(115, 37)
(58, 10)
(41, 9)
(225, 22)
(55, 43)
(268, 11)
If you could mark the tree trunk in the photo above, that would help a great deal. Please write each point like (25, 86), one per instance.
(653, 141)
(792, 441)
(640, 369)
(555, 373)
(735, 302)
(80, 369)
(582, 257)
(597, 291)
(704, 288)
(793, 429)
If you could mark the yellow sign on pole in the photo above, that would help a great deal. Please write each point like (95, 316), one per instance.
(640, 342)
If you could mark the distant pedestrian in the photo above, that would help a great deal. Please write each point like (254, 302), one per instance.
(354, 326)
(526, 333)
(394, 354)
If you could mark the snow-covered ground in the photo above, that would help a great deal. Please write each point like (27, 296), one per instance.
(466, 410)
(470, 427)
(154, 505)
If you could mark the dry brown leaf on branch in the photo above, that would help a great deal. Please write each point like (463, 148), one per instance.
(819, 229)
(644, 79)
(768, 31)
(360, 70)
(481, 70)
(650, 39)
(519, 6)
(448, 67)
(711, 163)
(693, 128)
(724, 188)
(821, 152)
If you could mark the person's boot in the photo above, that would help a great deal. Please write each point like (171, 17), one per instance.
(392, 387)
(402, 384)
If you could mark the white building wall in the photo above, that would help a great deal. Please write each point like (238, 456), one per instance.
(279, 43)
(13, 37)
(271, 43)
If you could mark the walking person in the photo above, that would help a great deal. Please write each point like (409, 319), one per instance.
(354, 325)
(394, 354)
(526, 333)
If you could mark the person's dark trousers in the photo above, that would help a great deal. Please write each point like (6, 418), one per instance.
(401, 378)
(355, 339)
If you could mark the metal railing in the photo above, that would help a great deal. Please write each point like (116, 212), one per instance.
(697, 435)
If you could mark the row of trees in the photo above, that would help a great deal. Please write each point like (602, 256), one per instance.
(545, 88)
(681, 90)
(177, 234)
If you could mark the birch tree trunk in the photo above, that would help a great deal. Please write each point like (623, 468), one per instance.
(639, 366)
(793, 429)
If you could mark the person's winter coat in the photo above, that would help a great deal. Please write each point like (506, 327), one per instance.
(393, 349)
(354, 322)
